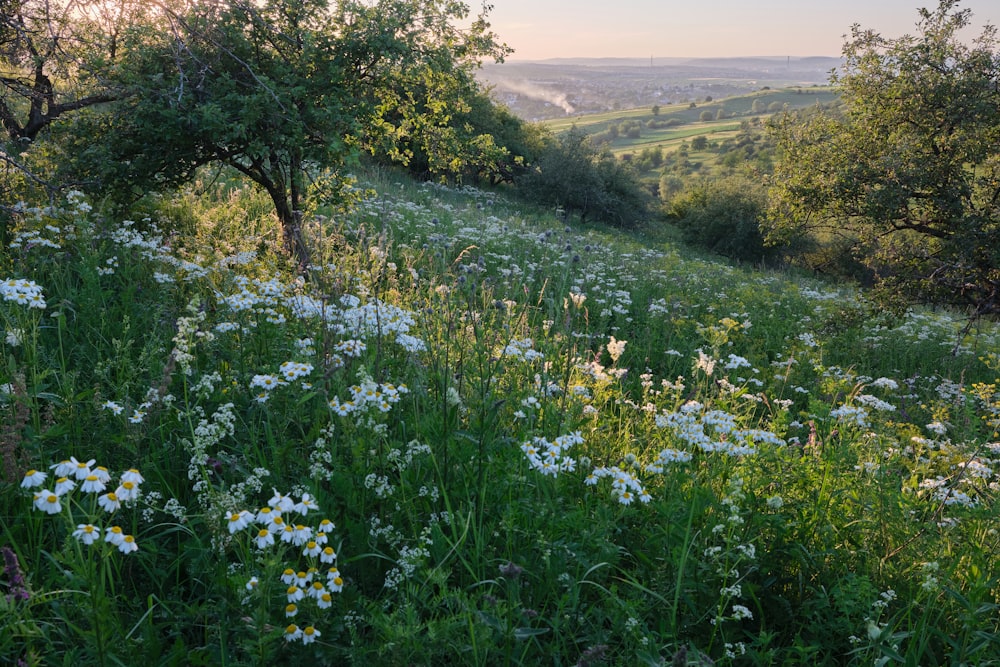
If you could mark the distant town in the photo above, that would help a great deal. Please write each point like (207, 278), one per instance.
(540, 90)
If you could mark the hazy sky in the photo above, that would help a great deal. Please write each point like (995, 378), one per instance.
(540, 29)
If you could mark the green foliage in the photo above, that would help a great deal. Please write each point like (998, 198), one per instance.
(740, 478)
(723, 215)
(911, 167)
(285, 92)
(570, 173)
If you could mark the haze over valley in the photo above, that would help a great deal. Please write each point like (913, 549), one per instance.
(539, 90)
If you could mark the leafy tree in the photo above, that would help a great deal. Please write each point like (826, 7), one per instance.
(55, 57)
(912, 168)
(282, 91)
(706, 116)
(655, 109)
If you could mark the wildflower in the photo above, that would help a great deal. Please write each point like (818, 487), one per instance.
(239, 521)
(109, 502)
(301, 535)
(311, 549)
(309, 634)
(127, 491)
(616, 348)
(81, 469)
(625, 497)
(288, 534)
(252, 584)
(87, 533)
(740, 612)
(32, 478)
(102, 474)
(114, 535)
(281, 502)
(265, 515)
(128, 545)
(325, 526)
(64, 485)
(291, 610)
(316, 590)
(336, 583)
(91, 484)
(325, 600)
(307, 503)
(137, 416)
(264, 538)
(132, 475)
(115, 408)
(288, 576)
(63, 468)
(328, 555)
(47, 501)
(294, 593)
(292, 632)
(302, 579)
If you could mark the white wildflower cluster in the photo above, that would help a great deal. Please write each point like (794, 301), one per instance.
(311, 577)
(23, 292)
(96, 483)
(666, 457)
(625, 486)
(33, 238)
(369, 395)
(409, 559)
(261, 296)
(208, 433)
(189, 332)
(734, 362)
(850, 415)
(521, 349)
(874, 403)
(289, 371)
(615, 348)
(402, 459)
(350, 348)
(714, 430)
(550, 458)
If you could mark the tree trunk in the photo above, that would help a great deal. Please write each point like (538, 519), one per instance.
(291, 224)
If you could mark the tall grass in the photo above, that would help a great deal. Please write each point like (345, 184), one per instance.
(490, 438)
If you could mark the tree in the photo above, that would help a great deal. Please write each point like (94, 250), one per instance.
(55, 56)
(282, 91)
(912, 169)
(655, 109)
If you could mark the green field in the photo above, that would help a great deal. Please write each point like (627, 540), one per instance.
(686, 121)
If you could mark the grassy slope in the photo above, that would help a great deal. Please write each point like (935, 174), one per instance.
(760, 467)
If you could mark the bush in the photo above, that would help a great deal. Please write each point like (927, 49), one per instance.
(572, 174)
(723, 216)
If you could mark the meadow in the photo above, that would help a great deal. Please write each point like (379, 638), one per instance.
(475, 434)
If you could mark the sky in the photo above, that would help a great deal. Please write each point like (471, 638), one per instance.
(541, 29)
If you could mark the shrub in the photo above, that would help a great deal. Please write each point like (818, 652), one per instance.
(723, 216)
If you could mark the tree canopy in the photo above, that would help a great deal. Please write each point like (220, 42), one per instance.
(283, 91)
(911, 170)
